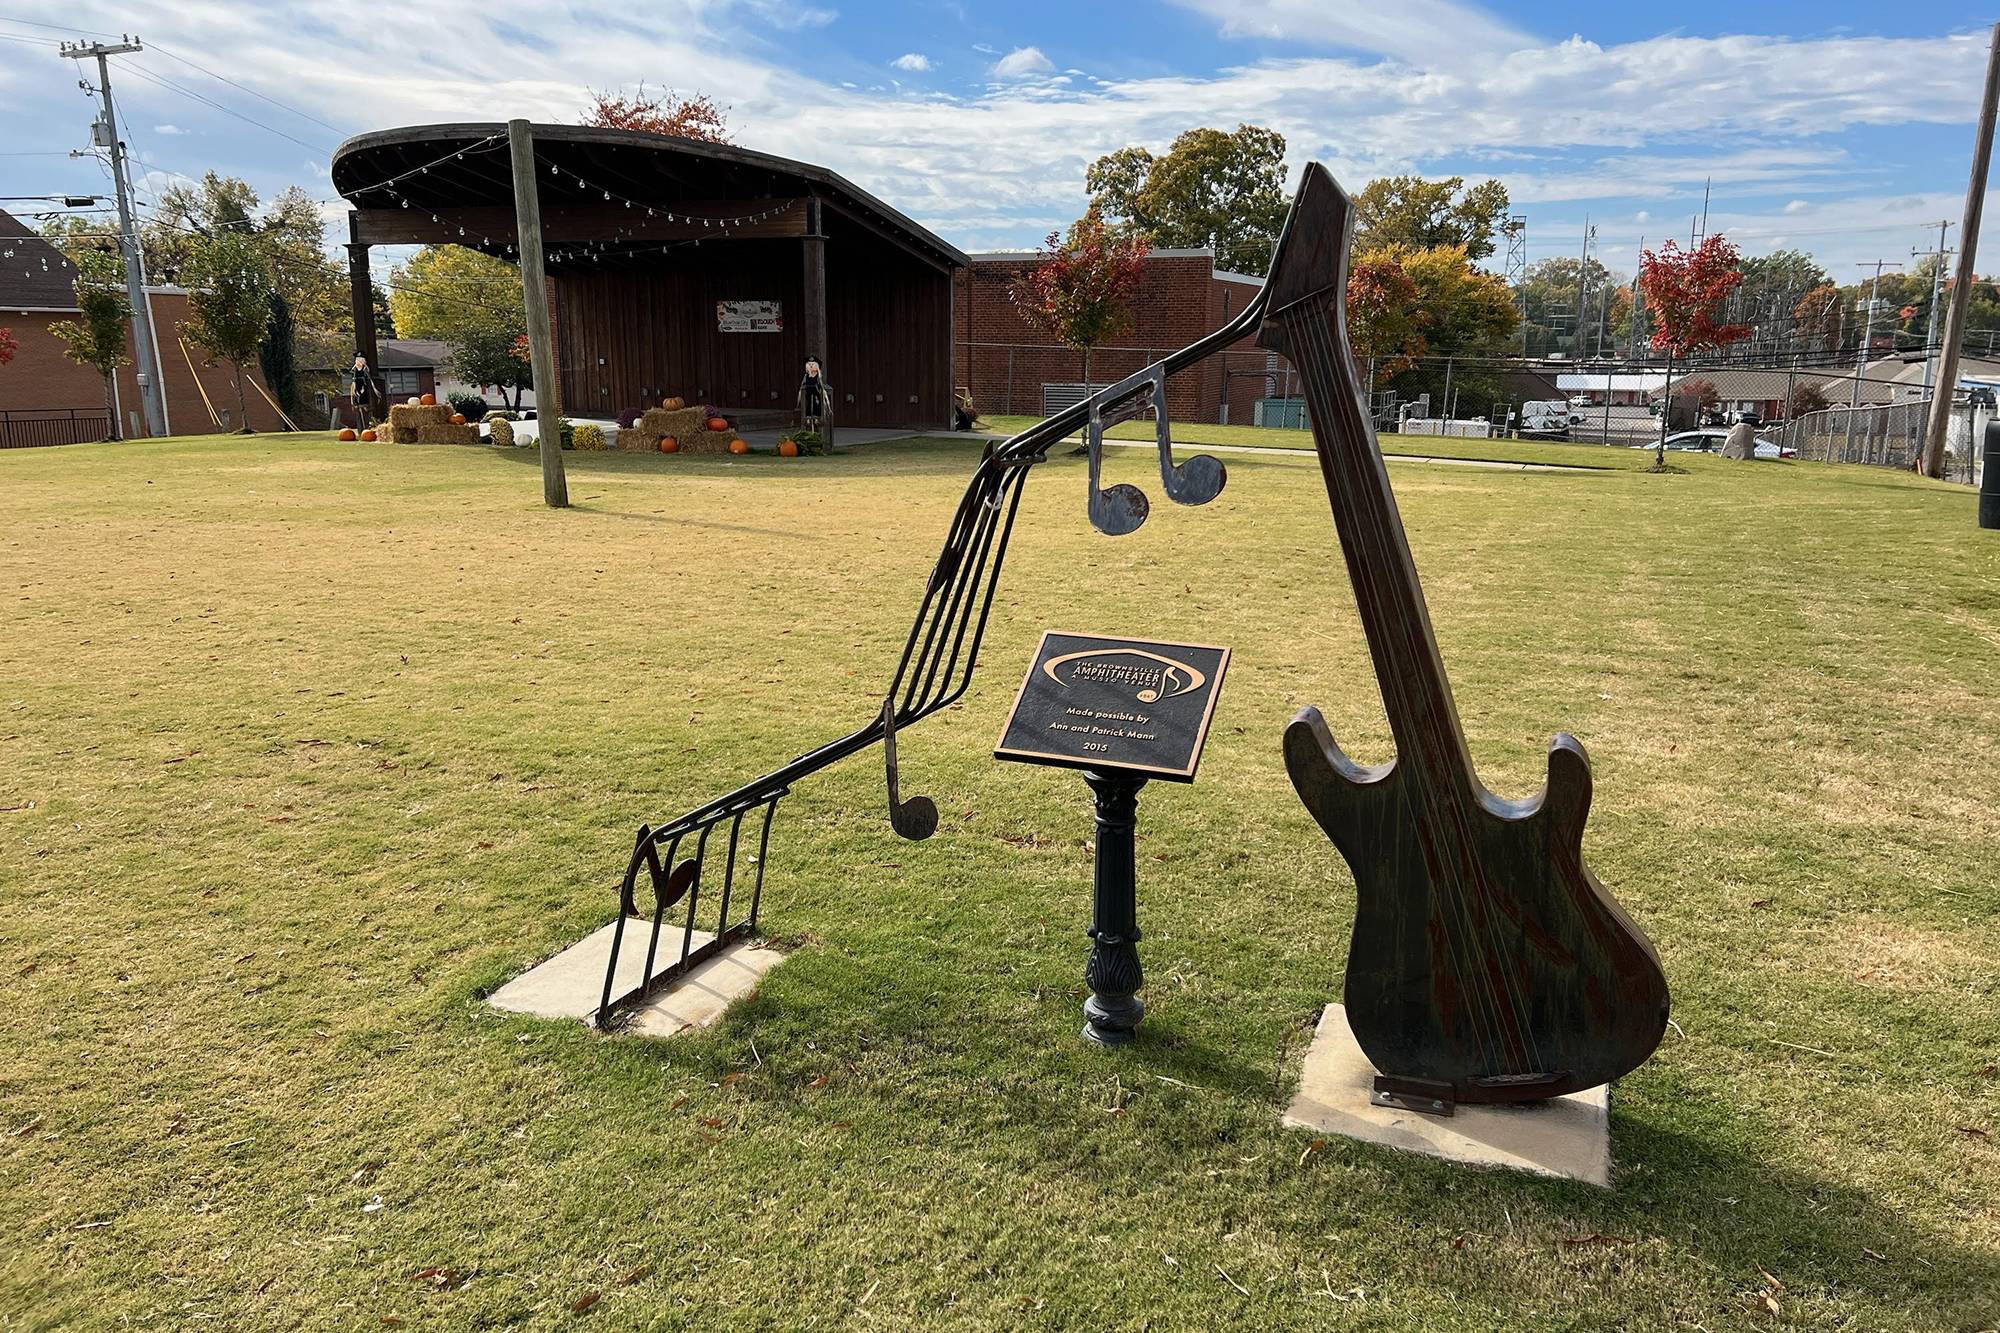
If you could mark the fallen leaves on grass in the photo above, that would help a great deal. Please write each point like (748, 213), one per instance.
(1597, 1238)
(639, 1274)
(585, 1301)
(1310, 1149)
(1974, 1131)
(29, 1128)
(819, 1082)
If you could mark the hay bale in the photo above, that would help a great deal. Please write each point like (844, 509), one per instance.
(446, 433)
(657, 422)
(403, 434)
(415, 415)
(705, 441)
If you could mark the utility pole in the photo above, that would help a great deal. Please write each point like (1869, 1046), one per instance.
(1867, 338)
(1582, 289)
(104, 134)
(535, 299)
(1932, 462)
(1931, 329)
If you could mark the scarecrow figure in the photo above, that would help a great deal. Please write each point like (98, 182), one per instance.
(815, 398)
(363, 390)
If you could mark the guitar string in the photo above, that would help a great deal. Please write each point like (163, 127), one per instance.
(1315, 345)
(1475, 912)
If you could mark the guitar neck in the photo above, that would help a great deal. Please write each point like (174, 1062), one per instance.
(1308, 327)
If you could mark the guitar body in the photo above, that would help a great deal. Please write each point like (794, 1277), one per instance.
(1487, 963)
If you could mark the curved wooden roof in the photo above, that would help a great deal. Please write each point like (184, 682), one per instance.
(649, 169)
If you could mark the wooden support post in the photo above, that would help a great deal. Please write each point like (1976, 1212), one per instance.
(812, 325)
(535, 302)
(361, 291)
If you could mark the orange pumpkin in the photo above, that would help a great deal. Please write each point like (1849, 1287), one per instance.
(673, 404)
(458, 418)
(368, 437)
(347, 434)
(717, 424)
(739, 446)
(788, 448)
(428, 400)
(669, 445)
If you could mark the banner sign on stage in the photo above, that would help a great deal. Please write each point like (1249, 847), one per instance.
(1115, 705)
(749, 317)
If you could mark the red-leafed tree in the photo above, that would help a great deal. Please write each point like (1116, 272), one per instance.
(1384, 317)
(1685, 291)
(8, 346)
(1081, 291)
(666, 112)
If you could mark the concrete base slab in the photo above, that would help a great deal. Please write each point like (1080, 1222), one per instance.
(1565, 1136)
(571, 984)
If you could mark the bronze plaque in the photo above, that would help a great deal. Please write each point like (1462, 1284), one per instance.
(1125, 705)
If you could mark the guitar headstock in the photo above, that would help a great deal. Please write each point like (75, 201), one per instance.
(1310, 259)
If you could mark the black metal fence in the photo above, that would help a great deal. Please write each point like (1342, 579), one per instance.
(31, 429)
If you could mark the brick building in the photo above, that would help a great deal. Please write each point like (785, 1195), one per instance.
(1007, 365)
(46, 398)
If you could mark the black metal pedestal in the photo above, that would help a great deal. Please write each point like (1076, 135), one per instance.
(1113, 1010)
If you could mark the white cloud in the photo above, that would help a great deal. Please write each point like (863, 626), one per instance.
(1418, 31)
(168, 129)
(1021, 62)
(914, 61)
(1797, 206)
(1636, 123)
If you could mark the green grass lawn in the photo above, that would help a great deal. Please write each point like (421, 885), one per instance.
(1193, 433)
(305, 747)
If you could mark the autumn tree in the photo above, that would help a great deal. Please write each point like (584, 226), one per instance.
(1383, 322)
(9, 345)
(1685, 291)
(96, 337)
(1805, 397)
(229, 303)
(1817, 318)
(1212, 188)
(1080, 293)
(1414, 211)
(695, 117)
(1702, 393)
(471, 300)
(1465, 318)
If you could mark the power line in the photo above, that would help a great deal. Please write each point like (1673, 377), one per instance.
(152, 77)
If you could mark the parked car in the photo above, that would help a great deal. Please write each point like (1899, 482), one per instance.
(1709, 440)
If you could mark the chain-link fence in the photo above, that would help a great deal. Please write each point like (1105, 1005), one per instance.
(1886, 435)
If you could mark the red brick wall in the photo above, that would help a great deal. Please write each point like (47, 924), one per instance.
(41, 376)
(1004, 360)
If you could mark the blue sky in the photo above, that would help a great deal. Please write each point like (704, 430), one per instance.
(1840, 128)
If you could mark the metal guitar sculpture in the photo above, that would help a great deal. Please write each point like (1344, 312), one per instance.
(1487, 962)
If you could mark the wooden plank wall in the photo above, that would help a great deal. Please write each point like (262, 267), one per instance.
(888, 320)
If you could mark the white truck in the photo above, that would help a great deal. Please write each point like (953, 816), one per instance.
(1549, 417)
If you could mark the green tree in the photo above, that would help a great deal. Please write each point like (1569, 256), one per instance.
(385, 322)
(292, 236)
(1421, 213)
(96, 338)
(276, 356)
(471, 300)
(229, 302)
(1548, 297)
(1081, 291)
(1212, 188)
